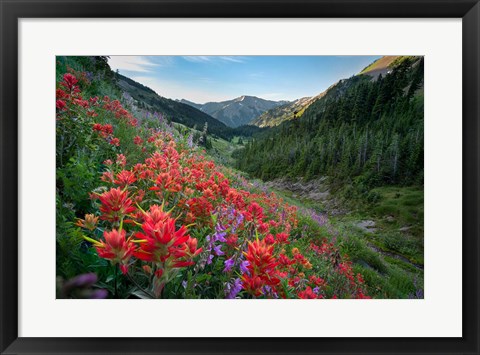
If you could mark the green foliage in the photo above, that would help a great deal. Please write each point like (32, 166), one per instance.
(390, 262)
(404, 204)
(361, 254)
(80, 153)
(360, 128)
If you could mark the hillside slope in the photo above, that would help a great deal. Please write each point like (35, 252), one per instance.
(175, 111)
(381, 66)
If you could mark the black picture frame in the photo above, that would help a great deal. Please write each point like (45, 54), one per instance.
(11, 11)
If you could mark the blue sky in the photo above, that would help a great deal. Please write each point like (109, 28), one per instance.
(217, 78)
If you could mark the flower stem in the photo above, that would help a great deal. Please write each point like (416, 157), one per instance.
(115, 281)
(140, 287)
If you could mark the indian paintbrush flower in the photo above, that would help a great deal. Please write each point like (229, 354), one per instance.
(116, 248)
(90, 222)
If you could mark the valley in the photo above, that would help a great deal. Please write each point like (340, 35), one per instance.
(339, 174)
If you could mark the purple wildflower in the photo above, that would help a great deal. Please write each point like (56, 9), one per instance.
(243, 266)
(83, 280)
(240, 219)
(268, 291)
(81, 287)
(190, 141)
(217, 249)
(220, 237)
(229, 264)
(89, 75)
(98, 294)
(232, 289)
(220, 233)
(210, 258)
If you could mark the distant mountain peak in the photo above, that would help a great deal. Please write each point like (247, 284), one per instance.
(238, 111)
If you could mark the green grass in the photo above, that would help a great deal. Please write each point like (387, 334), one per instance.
(404, 204)
(385, 276)
(222, 150)
(389, 259)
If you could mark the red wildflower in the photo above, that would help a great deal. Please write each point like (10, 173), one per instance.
(92, 113)
(232, 240)
(255, 210)
(262, 228)
(107, 128)
(115, 142)
(155, 215)
(165, 181)
(121, 160)
(125, 177)
(80, 102)
(261, 266)
(60, 104)
(107, 176)
(253, 284)
(90, 222)
(60, 94)
(139, 196)
(191, 244)
(115, 205)
(269, 239)
(162, 241)
(308, 294)
(260, 256)
(282, 237)
(69, 81)
(317, 281)
(116, 248)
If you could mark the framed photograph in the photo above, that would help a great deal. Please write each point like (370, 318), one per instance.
(239, 177)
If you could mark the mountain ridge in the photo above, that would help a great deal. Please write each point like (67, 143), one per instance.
(238, 111)
(176, 111)
(296, 108)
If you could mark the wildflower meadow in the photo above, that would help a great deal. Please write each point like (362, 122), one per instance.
(144, 212)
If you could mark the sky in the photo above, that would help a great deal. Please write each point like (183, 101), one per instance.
(218, 78)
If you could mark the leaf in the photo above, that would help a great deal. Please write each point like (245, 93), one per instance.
(141, 294)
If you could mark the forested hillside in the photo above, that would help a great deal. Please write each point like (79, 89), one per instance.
(288, 111)
(363, 128)
(179, 112)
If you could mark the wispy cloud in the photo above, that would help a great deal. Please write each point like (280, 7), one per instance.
(234, 59)
(213, 58)
(198, 58)
(132, 63)
(175, 90)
